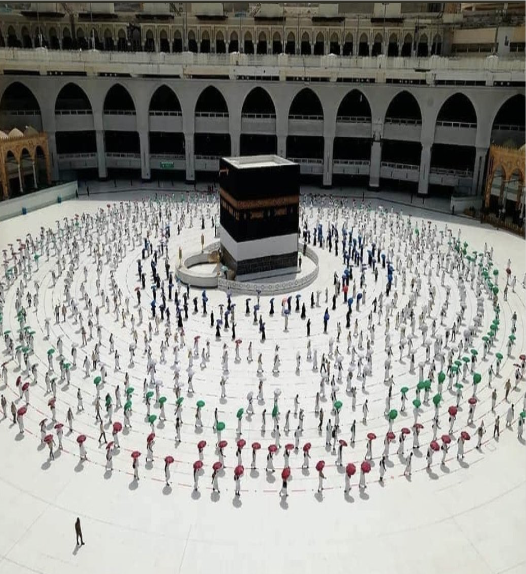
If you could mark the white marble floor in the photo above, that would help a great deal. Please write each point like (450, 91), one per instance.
(462, 517)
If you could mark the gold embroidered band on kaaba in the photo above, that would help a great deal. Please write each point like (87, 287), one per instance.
(258, 203)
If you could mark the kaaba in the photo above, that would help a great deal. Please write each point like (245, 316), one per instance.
(259, 214)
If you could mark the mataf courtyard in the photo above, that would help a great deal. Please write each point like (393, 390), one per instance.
(340, 418)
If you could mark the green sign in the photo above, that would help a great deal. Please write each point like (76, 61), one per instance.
(167, 165)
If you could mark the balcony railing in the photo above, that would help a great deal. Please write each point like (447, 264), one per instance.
(128, 155)
(81, 155)
(259, 116)
(508, 127)
(354, 119)
(355, 162)
(451, 124)
(120, 112)
(403, 121)
(212, 157)
(211, 114)
(309, 160)
(305, 117)
(395, 165)
(21, 112)
(84, 112)
(451, 171)
(165, 113)
(167, 156)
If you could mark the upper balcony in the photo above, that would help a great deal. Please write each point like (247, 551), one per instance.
(333, 68)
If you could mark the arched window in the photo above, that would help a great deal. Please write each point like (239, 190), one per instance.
(109, 45)
(233, 45)
(220, 43)
(319, 46)
(277, 46)
(392, 48)
(422, 48)
(192, 42)
(348, 45)
(177, 45)
(262, 43)
(436, 48)
(210, 102)
(164, 44)
(149, 43)
(205, 42)
(290, 47)
(305, 44)
(248, 44)
(334, 45)
(377, 46)
(407, 46)
(363, 46)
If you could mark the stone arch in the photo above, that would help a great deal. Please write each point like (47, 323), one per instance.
(378, 45)
(72, 97)
(164, 99)
(81, 39)
(233, 45)
(164, 43)
(211, 101)
(510, 112)
(422, 47)
(149, 42)
(27, 42)
(363, 45)
(17, 96)
(404, 106)
(354, 104)
(118, 93)
(392, 46)
(262, 43)
(306, 103)
(258, 101)
(457, 108)
(407, 46)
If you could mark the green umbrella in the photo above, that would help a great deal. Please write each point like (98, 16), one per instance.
(496, 322)
(201, 404)
(477, 377)
(437, 399)
(421, 385)
(27, 328)
(466, 359)
(495, 272)
(523, 415)
(512, 337)
(162, 400)
(458, 363)
(441, 377)
(417, 403)
(127, 405)
(240, 412)
(67, 366)
(393, 413)
(97, 380)
(338, 405)
(274, 412)
(50, 351)
(404, 390)
(152, 419)
(495, 290)
(36, 256)
(220, 426)
(474, 352)
(499, 356)
(454, 370)
(179, 401)
(459, 385)
(129, 391)
(149, 394)
(25, 349)
(427, 384)
(108, 400)
(485, 338)
(7, 332)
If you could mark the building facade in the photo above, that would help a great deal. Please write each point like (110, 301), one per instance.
(416, 120)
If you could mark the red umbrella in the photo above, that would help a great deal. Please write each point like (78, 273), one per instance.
(289, 446)
(418, 426)
(306, 447)
(472, 400)
(217, 466)
(465, 435)
(320, 465)
(371, 436)
(58, 426)
(241, 443)
(201, 444)
(51, 402)
(452, 410)
(81, 438)
(48, 438)
(366, 466)
(239, 470)
(21, 411)
(150, 437)
(405, 430)
(272, 448)
(446, 439)
(350, 469)
(342, 442)
(137, 288)
(238, 341)
(135, 454)
(256, 445)
(25, 386)
(522, 357)
(117, 427)
(222, 444)
(198, 464)
(390, 435)
(285, 473)
(169, 459)
(434, 445)
(42, 422)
